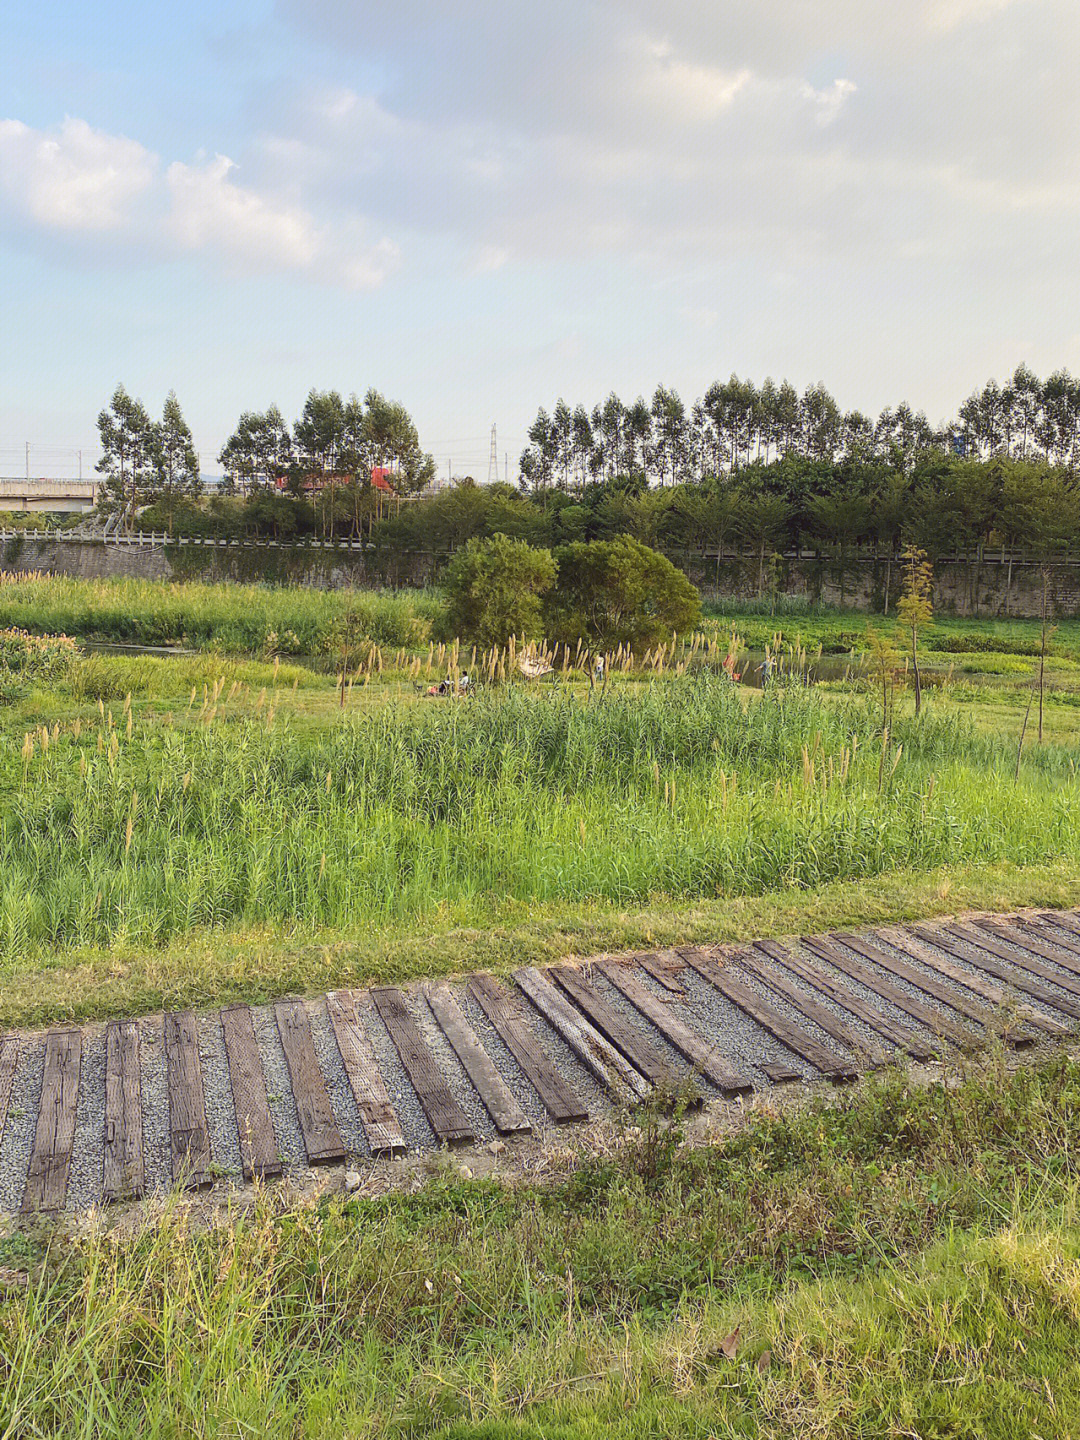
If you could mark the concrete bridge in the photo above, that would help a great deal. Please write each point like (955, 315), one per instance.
(46, 496)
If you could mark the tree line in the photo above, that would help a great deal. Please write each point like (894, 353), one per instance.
(944, 505)
(737, 424)
(748, 469)
(326, 459)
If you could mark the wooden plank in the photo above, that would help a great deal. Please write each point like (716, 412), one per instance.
(381, 1124)
(50, 1159)
(862, 974)
(448, 1120)
(980, 940)
(900, 1035)
(1067, 919)
(1047, 926)
(123, 1172)
(645, 1058)
(976, 982)
(595, 1052)
(780, 1074)
(798, 1040)
(322, 1138)
(1016, 979)
(259, 1155)
(1014, 935)
(10, 1051)
(929, 986)
(806, 1005)
(189, 1137)
(498, 1098)
(558, 1098)
(666, 968)
(687, 1041)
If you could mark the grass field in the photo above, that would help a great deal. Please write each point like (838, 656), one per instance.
(128, 830)
(188, 829)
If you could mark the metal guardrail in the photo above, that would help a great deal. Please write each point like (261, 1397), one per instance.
(151, 539)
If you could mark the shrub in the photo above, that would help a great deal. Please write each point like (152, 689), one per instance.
(493, 589)
(618, 592)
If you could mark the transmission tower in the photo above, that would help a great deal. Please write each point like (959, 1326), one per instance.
(493, 459)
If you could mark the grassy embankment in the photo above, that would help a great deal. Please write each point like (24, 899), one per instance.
(907, 1263)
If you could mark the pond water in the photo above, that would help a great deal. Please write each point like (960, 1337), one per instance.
(118, 647)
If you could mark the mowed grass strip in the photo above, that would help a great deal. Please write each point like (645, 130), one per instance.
(902, 1261)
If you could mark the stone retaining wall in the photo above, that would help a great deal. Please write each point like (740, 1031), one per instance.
(992, 587)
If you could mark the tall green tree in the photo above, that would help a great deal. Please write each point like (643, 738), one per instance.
(259, 452)
(127, 457)
(176, 464)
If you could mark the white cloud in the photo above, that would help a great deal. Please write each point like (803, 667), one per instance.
(687, 91)
(100, 189)
(209, 210)
(829, 103)
(211, 213)
(72, 178)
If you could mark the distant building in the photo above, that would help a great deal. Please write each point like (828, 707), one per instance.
(381, 479)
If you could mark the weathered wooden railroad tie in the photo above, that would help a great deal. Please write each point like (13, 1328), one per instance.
(182, 1099)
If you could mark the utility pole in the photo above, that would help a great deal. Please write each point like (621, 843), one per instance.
(80, 464)
(28, 462)
(493, 459)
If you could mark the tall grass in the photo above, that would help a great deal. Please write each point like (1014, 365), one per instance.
(133, 833)
(240, 619)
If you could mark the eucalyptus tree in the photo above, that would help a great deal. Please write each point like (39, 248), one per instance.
(820, 417)
(669, 434)
(127, 457)
(1024, 401)
(637, 438)
(607, 424)
(1059, 423)
(765, 418)
(983, 421)
(319, 436)
(538, 459)
(856, 436)
(176, 465)
(562, 425)
(582, 446)
(259, 452)
(787, 418)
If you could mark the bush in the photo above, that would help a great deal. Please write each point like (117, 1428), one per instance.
(618, 592)
(493, 589)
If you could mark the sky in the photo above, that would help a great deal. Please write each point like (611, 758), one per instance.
(476, 208)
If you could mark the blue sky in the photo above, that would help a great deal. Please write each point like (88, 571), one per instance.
(478, 207)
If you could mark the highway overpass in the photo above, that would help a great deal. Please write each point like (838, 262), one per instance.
(45, 496)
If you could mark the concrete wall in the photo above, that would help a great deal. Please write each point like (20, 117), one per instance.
(990, 588)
